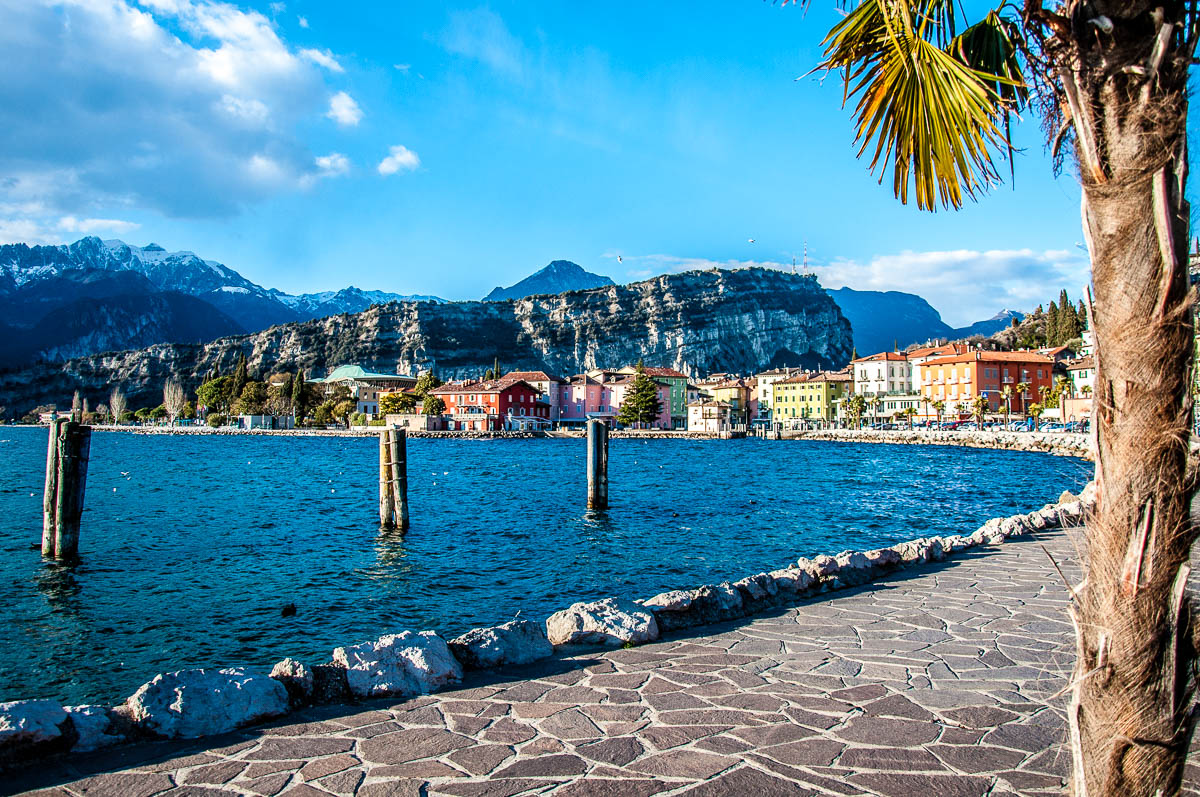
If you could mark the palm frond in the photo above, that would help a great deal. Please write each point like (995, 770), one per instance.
(932, 111)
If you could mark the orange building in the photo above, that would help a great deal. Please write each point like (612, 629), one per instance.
(963, 377)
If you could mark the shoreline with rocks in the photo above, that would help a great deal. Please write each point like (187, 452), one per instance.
(1062, 444)
(189, 704)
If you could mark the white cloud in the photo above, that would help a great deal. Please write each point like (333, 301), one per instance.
(322, 58)
(333, 164)
(90, 226)
(482, 35)
(402, 67)
(344, 110)
(303, 21)
(186, 107)
(399, 159)
(963, 285)
(278, 8)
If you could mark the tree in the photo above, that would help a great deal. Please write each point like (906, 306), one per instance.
(173, 399)
(939, 407)
(342, 410)
(432, 405)
(1110, 80)
(77, 406)
(641, 404)
(253, 399)
(1006, 393)
(216, 395)
(1052, 325)
(101, 410)
(298, 394)
(116, 404)
(188, 412)
(979, 408)
(240, 376)
(1022, 389)
(855, 405)
(397, 403)
(425, 383)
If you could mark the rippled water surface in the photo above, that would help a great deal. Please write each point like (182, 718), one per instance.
(187, 560)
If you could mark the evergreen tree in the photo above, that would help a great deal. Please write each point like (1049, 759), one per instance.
(298, 393)
(641, 404)
(239, 376)
(1052, 325)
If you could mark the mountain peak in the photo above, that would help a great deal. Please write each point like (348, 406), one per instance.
(558, 276)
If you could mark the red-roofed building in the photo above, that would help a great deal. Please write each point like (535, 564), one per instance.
(493, 406)
(885, 373)
(547, 383)
(959, 379)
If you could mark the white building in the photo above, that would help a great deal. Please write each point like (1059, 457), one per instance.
(1083, 374)
(709, 416)
(883, 373)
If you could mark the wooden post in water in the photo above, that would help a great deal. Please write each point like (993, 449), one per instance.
(64, 497)
(597, 464)
(399, 458)
(50, 494)
(386, 507)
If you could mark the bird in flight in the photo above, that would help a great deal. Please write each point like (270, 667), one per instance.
(618, 258)
(750, 240)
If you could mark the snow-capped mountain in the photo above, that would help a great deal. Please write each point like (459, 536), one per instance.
(558, 277)
(36, 281)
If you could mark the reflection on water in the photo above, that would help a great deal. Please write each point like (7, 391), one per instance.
(191, 557)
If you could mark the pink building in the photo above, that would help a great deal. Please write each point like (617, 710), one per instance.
(599, 394)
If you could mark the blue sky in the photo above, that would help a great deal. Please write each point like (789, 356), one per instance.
(423, 147)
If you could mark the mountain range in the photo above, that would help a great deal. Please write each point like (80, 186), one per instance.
(560, 276)
(59, 302)
(889, 320)
(699, 322)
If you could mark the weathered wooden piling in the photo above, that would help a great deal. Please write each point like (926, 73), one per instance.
(67, 455)
(386, 507)
(399, 446)
(393, 479)
(597, 464)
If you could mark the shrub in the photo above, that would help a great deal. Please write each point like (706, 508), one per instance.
(216, 419)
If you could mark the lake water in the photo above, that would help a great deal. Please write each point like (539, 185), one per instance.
(188, 558)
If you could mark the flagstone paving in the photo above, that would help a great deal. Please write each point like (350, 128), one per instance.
(942, 682)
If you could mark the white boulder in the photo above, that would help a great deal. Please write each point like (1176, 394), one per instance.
(677, 600)
(403, 664)
(92, 724)
(188, 704)
(30, 722)
(611, 621)
(515, 642)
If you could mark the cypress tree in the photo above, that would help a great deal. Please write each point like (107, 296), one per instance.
(298, 393)
(239, 376)
(1052, 325)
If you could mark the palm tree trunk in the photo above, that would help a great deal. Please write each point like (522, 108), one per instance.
(1132, 713)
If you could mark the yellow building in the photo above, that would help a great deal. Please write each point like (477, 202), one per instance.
(734, 392)
(812, 396)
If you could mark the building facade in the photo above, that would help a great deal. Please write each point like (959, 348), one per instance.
(493, 406)
(958, 380)
(677, 393)
(883, 373)
(548, 384)
(709, 416)
(365, 386)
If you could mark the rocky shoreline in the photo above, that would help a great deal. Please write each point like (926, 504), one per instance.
(203, 702)
(1063, 444)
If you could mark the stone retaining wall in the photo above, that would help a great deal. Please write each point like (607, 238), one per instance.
(195, 703)
(1065, 444)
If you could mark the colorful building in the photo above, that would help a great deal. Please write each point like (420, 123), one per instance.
(958, 380)
(730, 390)
(365, 386)
(493, 406)
(810, 396)
(599, 394)
(548, 384)
(676, 384)
(765, 389)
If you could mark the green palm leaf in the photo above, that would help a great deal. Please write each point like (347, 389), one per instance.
(932, 111)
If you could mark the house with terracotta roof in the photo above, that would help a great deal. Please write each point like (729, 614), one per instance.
(882, 373)
(812, 396)
(676, 384)
(732, 391)
(600, 393)
(959, 379)
(765, 389)
(493, 405)
(547, 383)
(708, 415)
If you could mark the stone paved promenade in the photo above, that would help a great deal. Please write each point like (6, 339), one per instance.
(938, 682)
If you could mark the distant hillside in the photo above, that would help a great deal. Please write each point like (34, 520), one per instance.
(883, 320)
(558, 277)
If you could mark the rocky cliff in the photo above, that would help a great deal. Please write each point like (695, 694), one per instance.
(700, 321)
